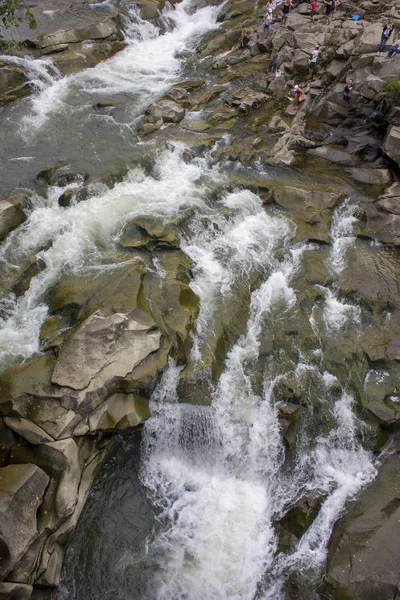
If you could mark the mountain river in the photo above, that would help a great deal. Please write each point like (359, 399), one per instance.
(188, 509)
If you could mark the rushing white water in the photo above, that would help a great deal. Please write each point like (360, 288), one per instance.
(69, 239)
(220, 474)
(41, 72)
(336, 315)
(145, 69)
(220, 501)
(342, 236)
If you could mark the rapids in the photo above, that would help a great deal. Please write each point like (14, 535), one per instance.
(200, 520)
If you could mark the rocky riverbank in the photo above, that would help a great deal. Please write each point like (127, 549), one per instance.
(109, 334)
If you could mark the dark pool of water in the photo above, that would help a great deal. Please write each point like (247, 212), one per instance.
(107, 549)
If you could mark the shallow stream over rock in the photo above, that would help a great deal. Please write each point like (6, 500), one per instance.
(265, 325)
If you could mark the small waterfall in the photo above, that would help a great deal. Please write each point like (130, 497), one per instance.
(41, 72)
(343, 219)
(220, 501)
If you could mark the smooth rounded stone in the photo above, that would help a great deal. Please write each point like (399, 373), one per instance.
(365, 544)
(167, 110)
(11, 214)
(21, 493)
(148, 128)
(133, 236)
(15, 591)
(371, 176)
(295, 198)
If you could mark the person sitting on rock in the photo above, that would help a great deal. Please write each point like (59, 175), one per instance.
(313, 60)
(386, 33)
(328, 10)
(285, 11)
(244, 39)
(313, 7)
(299, 96)
(395, 48)
(273, 65)
(347, 90)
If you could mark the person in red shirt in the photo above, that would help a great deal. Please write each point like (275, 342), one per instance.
(313, 6)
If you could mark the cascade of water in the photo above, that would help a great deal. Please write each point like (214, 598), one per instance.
(146, 68)
(41, 72)
(343, 219)
(219, 502)
(68, 240)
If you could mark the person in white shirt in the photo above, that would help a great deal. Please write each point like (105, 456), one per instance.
(313, 60)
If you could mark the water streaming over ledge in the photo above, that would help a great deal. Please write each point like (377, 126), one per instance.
(221, 476)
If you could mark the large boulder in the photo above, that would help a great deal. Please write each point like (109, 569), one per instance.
(369, 39)
(21, 493)
(105, 348)
(391, 144)
(363, 559)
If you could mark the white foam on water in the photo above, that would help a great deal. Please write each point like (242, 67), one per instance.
(336, 315)
(145, 69)
(228, 250)
(41, 73)
(70, 239)
(343, 220)
(220, 501)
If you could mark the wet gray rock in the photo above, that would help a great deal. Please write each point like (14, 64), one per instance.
(11, 214)
(21, 492)
(365, 543)
(372, 176)
(167, 110)
(391, 144)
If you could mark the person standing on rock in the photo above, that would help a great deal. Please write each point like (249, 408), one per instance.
(313, 7)
(244, 39)
(328, 10)
(394, 48)
(313, 60)
(267, 22)
(347, 90)
(386, 33)
(285, 11)
(273, 65)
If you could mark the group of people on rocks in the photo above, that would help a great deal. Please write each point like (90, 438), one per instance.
(330, 7)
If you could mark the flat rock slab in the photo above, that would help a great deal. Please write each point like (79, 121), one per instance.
(104, 348)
